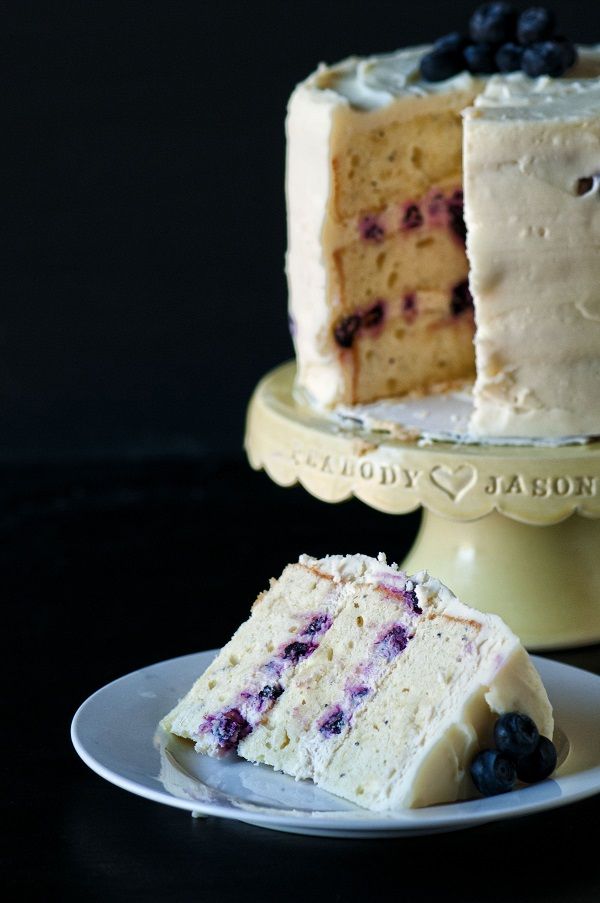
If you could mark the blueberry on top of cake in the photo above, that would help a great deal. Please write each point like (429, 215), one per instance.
(415, 174)
(501, 40)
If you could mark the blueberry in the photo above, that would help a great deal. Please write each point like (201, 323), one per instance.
(413, 218)
(439, 65)
(373, 316)
(480, 58)
(461, 299)
(318, 625)
(515, 734)
(271, 691)
(539, 764)
(359, 693)
(436, 204)
(493, 22)
(295, 651)
(535, 24)
(333, 723)
(346, 329)
(229, 728)
(371, 229)
(410, 597)
(492, 772)
(455, 42)
(546, 58)
(509, 57)
(409, 307)
(393, 642)
(569, 51)
(456, 215)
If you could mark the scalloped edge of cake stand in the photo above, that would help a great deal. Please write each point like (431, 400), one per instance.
(532, 485)
(509, 491)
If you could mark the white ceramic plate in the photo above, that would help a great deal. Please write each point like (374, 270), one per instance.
(115, 732)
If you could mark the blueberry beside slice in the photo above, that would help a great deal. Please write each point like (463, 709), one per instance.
(539, 764)
(493, 773)
(515, 735)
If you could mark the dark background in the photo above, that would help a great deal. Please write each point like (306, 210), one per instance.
(142, 249)
(144, 217)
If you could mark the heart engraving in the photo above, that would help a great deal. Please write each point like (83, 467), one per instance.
(454, 482)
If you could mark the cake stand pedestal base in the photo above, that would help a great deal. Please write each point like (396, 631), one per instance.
(513, 530)
(544, 581)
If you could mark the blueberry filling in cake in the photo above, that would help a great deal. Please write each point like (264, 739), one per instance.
(228, 727)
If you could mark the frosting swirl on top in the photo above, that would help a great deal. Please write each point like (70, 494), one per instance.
(518, 97)
(373, 82)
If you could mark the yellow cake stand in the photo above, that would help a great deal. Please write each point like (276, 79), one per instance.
(513, 530)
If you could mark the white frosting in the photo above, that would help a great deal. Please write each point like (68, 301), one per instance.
(308, 126)
(375, 571)
(532, 244)
(516, 97)
(374, 82)
(361, 568)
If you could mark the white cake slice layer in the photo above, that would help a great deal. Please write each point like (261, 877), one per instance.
(286, 626)
(313, 717)
(396, 687)
(412, 744)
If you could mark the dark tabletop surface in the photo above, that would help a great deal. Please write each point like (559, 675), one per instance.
(97, 561)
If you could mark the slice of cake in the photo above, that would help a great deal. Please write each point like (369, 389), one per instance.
(378, 687)
(532, 187)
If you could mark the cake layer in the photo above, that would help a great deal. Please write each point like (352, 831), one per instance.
(246, 679)
(412, 746)
(425, 339)
(418, 244)
(368, 159)
(400, 158)
(378, 687)
(301, 734)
